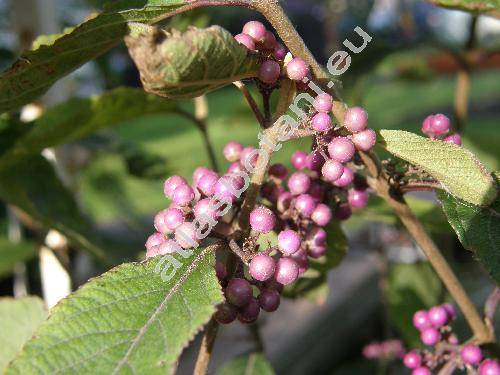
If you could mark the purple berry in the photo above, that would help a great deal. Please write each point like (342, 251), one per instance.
(365, 140)
(357, 198)
(316, 191)
(321, 122)
(249, 156)
(315, 161)
(302, 260)
(305, 205)
(250, 312)
(232, 151)
(297, 69)
(279, 51)
(287, 271)
(183, 195)
(154, 240)
(421, 371)
(341, 149)
(220, 270)
(235, 167)
(356, 119)
(256, 30)
(262, 219)
(204, 212)
(343, 211)
(269, 72)
(421, 320)
(450, 310)
(317, 251)
(284, 201)
(430, 336)
(438, 316)
(321, 215)
(471, 354)
(269, 300)
(454, 138)
(489, 367)
(173, 217)
(299, 160)
(225, 313)
(185, 235)
(279, 171)
(288, 242)
(323, 103)
(207, 183)
(332, 170)
(439, 124)
(412, 359)
(346, 178)
(269, 41)
(316, 237)
(239, 292)
(171, 184)
(262, 267)
(299, 183)
(246, 40)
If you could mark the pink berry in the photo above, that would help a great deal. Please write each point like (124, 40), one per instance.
(471, 354)
(316, 236)
(412, 359)
(489, 367)
(185, 235)
(173, 218)
(225, 313)
(235, 167)
(357, 198)
(365, 140)
(204, 213)
(426, 126)
(438, 316)
(250, 312)
(288, 242)
(299, 160)
(450, 310)
(287, 271)
(323, 103)
(171, 184)
(299, 183)
(305, 205)
(199, 173)
(322, 215)
(239, 292)
(256, 30)
(430, 336)
(262, 219)
(341, 149)
(421, 371)
(207, 183)
(421, 320)
(343, 211)
(279, 51)
(284, 201)
(154, 240)
(439, 124)
(183, 195)
(246, 40)
(168, 247)
(269, 72)
(346, 178)
(249, 156)
(454, 138)
(159, 222)
(279, 171)
(302, 260)
(332, 170)
(317, 251)
(356, 119)
(269, 300)
(232, 151)
(262, 267)
(315, 161)
(321, 122)
(297, 69)
(269, 41)
(228, 187)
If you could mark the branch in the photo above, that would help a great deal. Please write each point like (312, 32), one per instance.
(206, 348)
(252, 103)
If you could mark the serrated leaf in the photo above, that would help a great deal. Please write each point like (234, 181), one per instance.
(36, 70)
(33, 186)
(189, 64)
(11, 253)
(478, 229)
(80, 117)
(19, 318)
(474, 6)
(456, 168)
(252, 364)
(126, 321)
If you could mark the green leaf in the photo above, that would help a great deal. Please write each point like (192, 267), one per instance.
(456, 168)
(80, 117)
(189, 64)
(411, 287)
(478, 228)
(128, 320)
(252, 364)
(33, 186)
(19, 318)
(474, 6)
(11, 253)
(36, 70)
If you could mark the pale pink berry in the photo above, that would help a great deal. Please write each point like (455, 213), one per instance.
(321, 122)
(199, 173)
(262, 219)
(269, 72)
(454, 138)
(421, 320)
(297, 69)
(269, 41)
(430, 336)
(246, 40)
(159, 222)
(262, 267)
(279, 51)
(438, 316)
(323, 103)
(439, 124)
(256, 30)
(185, 235)
(229, 187)
(315, 161)
(471, 354)
(171, 184)
(365, 140)
(489, 367)
(346, 178)
(232, 151)
(341, 149)
(279, 171)
(421, 371)
(288, 242)
(173, 218)
(357, 198)
(356, 119)
(154, 240)
(332, 170)
(412, 359)
(305, 205)
(299, 160)
(207, 183)
(168, 247)
(204, 212)
(343, 211)
(287, 271)
(322, 215)
(183, 195)
(316, 236)
(299, 183)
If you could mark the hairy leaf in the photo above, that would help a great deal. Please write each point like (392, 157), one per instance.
(475, 6)
(252, 364)
(189, 64)
(19, 318)
(126, 321)
(80, 117)
(478, 229)
(456, 168)
(11, 253)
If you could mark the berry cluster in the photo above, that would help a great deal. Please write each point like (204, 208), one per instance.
(385, 350)
(437, 126)
(435, 331)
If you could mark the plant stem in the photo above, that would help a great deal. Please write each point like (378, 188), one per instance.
(206, 348)
(252, 103)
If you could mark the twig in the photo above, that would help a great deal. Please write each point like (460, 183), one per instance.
(206, 348)
(251, 102)
(491, 304)
(419, 186)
